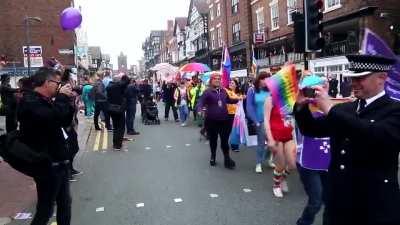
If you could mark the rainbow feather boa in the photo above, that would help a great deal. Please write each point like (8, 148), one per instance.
(284, 87)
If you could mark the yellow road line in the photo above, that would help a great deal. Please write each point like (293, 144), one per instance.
(53, 223)
(97, 141)
(105, 139)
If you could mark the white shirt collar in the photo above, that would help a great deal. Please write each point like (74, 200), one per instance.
(372, 99)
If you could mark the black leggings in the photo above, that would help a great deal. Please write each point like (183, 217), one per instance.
(221, 128)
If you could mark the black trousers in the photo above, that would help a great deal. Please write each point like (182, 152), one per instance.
(168, 106)
(11, 120)
(101, 107)
(130, 117)
(118, 120)
(73, 146)
(53, 187)
(219, 128)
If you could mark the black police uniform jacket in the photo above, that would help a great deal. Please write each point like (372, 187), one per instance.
(363, 186)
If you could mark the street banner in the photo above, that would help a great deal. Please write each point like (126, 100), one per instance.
(35, 54)
(374, 45)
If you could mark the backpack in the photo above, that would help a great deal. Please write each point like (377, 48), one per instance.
(20, 156)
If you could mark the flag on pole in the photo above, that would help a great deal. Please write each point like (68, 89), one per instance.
(374, 45)
(226, 67)
(254, 65)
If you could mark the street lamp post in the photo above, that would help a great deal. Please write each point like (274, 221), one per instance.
(28, 38)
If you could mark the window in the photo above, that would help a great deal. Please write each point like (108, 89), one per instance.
(219, 36)
(235, 6)
(291, 8)
(212, 40)
(260, 20)
(236, 32)
(274, 15)
(332, 5)
(211, 12)
(218, 9)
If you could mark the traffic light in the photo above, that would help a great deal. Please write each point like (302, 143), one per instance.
(299, 34)
(313, 25)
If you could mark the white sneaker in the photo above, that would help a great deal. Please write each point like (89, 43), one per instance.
(258, 168)
(271, 162)
(277, 192)
(284, 186)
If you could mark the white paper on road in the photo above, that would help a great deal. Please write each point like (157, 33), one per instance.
(23, 216)
(168, 146)
(100, 209)
(187, 145)
(213, 196)
(147, 148)
(139, 205)
(246, 190)
(177, 200)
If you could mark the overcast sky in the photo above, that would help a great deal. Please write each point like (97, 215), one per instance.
(123, 25)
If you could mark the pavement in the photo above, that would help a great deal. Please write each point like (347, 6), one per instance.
(18, 192)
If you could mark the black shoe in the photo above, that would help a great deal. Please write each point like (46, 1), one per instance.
(230, 164)
(133, 133)
(75, 172)
(212, 162)
(97, 128)
(72, 179)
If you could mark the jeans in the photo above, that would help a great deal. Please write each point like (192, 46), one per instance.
(183, 113)
(118, 120)
(314, 182)
(130, 117)
(101, 107)
(89, 108)
(261, 152)
(53, 188)
(169, 105)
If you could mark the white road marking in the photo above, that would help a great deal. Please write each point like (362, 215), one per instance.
(140, 205)
(168, 146)
(147, 148)
(213, 196)
(187, 145)
(246, 190)
(100, 209)
(177, 200)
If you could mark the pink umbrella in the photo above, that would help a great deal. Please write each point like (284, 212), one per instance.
(195, 67)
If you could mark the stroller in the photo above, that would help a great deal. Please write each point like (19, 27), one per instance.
(149, 112)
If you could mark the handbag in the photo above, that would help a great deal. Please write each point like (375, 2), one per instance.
(20, 156)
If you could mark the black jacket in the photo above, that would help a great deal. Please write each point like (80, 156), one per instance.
(363, 174)
(131, 94)
(116, 93)
(41, 121)
(99, 92)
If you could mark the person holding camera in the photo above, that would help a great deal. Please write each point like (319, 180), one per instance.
(363, 183)
(42, 114)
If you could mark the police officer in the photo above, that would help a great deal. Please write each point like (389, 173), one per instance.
(363, 185)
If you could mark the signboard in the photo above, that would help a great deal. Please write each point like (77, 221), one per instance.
(17, 71)
(239, 73)
(259, 38)
(66, 51)
(35, 54)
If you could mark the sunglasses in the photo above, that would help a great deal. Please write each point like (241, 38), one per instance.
(57, 82)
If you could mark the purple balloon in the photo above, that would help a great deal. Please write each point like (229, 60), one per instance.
(70, 18)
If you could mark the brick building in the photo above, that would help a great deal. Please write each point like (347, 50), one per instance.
(344, 22)
(48, 34)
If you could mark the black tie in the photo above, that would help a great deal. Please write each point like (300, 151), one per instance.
(361, 105)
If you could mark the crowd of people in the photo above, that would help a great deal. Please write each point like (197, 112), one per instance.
(358, 186)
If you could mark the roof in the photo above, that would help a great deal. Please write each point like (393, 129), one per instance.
(180, 22)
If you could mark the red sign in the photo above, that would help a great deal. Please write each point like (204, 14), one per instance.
(259, 38)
